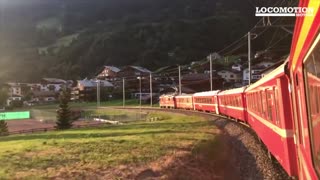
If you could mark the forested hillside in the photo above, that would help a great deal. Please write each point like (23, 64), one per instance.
(72, 39)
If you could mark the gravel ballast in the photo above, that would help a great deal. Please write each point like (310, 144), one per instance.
(250, 155)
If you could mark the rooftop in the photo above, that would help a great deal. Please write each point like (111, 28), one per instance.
(54, 80)
(93, 83)
(112, 68)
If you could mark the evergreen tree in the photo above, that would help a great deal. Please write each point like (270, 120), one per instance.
(3, 128)
(64, 113)
(3, 97)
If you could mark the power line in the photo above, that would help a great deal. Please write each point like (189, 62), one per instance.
(277, 41)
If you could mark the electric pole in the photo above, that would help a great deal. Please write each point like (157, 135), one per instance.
(179, 80)
(210, 71)
(98, 93)
(150, 89)
(249, 56)
(124, 92)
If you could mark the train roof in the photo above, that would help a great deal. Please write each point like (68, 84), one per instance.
(272, 75)
(184, 95)
(168, 95)
(233, 91)
(207, 93)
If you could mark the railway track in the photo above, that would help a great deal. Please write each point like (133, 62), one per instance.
(250, 157)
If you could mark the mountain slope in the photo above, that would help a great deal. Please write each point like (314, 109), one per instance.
(115, 32)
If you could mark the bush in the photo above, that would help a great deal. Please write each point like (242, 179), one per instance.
(16, 104)
(3, 128)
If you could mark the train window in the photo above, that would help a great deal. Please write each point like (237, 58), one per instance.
(236, 101)
(263, 102)
(249, 102)
(259, 103)
(269, 105)
(255, 102)
(232, 101)
(312, 82)
(276, 103)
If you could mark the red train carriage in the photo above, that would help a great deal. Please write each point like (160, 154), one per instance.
(167, 101)
(206, 101)
(269, 114)
(184, 102)
(232, 103)
(304, 64)
(313, 85)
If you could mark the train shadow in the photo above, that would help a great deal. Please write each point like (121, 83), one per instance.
(250, 155)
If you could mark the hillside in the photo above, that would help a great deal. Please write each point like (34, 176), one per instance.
(72, 39)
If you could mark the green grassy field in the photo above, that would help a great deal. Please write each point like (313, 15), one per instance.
(118, 102)
(48, 112)
(77, 153)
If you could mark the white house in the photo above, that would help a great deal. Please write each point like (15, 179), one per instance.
(13, 98)
(255, 72)
(52, 84)
(255, 75)
(15, 89)
(214, 56)
(264, 64)
(92, 83)
(237, 67)
(229, 76)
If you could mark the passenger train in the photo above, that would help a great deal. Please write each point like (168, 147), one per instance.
(283, 108)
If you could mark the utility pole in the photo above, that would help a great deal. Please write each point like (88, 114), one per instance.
(179, 80)
(210, 71)
(140, 91)
(249, 56)
(98, 93)
(150, 89)
(124, 92)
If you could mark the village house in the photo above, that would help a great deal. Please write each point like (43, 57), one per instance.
(52, 84)
(42, 97)
(108, 73)
(133, 71)
(133, 76)
(200, 82)
(14, 89)
(237, 67)
(255, 72)
(264, 64)
(13, 98)
(229, 76)
(255, 75)
(86, 90)
(271, 68)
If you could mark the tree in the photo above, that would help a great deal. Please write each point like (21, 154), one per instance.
(3, 96)
(63, 113)
(3, 128)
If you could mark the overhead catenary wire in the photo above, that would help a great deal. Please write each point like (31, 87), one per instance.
(174, 70)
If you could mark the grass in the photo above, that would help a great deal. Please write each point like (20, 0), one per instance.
(129, 102)
(55, 154)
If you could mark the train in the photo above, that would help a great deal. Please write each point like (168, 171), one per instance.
(283, 107)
